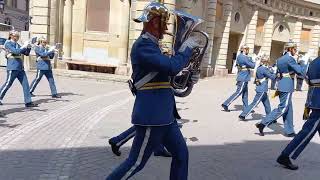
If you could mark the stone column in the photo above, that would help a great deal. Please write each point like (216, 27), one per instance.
(67, 29)
(9, 3)
(297, 32)
(315, 41)
(206, 69)
(252, 30)
(268, 31)
(221, 64)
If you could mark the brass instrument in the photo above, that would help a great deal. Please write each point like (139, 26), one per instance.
(186, 25)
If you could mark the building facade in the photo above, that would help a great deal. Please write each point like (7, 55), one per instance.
(16, 14)
(97, 35)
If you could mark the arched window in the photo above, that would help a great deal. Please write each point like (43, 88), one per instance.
(7, 21)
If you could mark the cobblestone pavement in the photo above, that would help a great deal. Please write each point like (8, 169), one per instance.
(67, 138)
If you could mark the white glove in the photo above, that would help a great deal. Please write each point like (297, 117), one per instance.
(52, 48)
(195, 78)
(191, 43)
(25, 45)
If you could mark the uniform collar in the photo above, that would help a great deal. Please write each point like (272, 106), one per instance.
(147, 35)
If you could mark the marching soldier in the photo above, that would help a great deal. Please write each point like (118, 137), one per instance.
(262, 75)
(154, 112)
(44, 55)
(286, 69)
(15, 67)
(245, 64)
(312, 125)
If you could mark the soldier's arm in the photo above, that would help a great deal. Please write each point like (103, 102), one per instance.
(12, 49)
(269, 75)
(43, 53)
(295, 66)
(151, 57)
(250, 63)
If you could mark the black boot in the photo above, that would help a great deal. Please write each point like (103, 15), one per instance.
(242, 118)
(260, 127)
(56, 96)
(162, 153)
(31, 104)
(285, 161)
(225, 108)
(290, 135)
(114, 148)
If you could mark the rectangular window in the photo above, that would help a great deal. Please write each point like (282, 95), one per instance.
(219, 10)
(305, 34)
(260, 25)
(98, 15)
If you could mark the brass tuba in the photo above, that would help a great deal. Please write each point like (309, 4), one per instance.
(185, 26)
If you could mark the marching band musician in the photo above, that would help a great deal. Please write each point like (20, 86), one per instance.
(312, 124)
(263, 75)
(15, 67)
(287, 67)
(154, 112)
(245, 64)
(44, 54)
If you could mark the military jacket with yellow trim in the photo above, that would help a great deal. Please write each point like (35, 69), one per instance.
(14, 57)
(244, 64)
(313, 79)
(287, 67)
(43, 58)
(155, 103)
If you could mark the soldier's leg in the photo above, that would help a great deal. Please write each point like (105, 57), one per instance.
(36, 81)
(301, 140)
(266, 103)
(144, 143)
(52, 84)
(234, 96)
(257, 99)
(299, 84)
(176, 144)
(11, 76)
(276, 113)
(273, 84)
(245, 96)
(288, 119)
(22, 77)
(117, 141)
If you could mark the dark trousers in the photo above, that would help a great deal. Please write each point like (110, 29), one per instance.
(49, 76)
(146, 140)
(242, 89)
(302, 139)
(22, 77)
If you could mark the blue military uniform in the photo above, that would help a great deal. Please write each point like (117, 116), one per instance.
(263, 74)
(154, 112)
(286, 67)
(244, 64)
(15, 69)
(44, 56)
(312, 125)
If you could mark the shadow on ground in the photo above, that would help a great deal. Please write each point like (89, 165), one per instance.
(249, 160)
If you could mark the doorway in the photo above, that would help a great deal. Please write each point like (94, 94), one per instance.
(277, 48)
(233, 47)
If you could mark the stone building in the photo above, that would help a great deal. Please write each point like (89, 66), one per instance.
(97, 35)
(15, 13)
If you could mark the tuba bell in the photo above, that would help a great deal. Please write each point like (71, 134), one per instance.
(186, 25)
